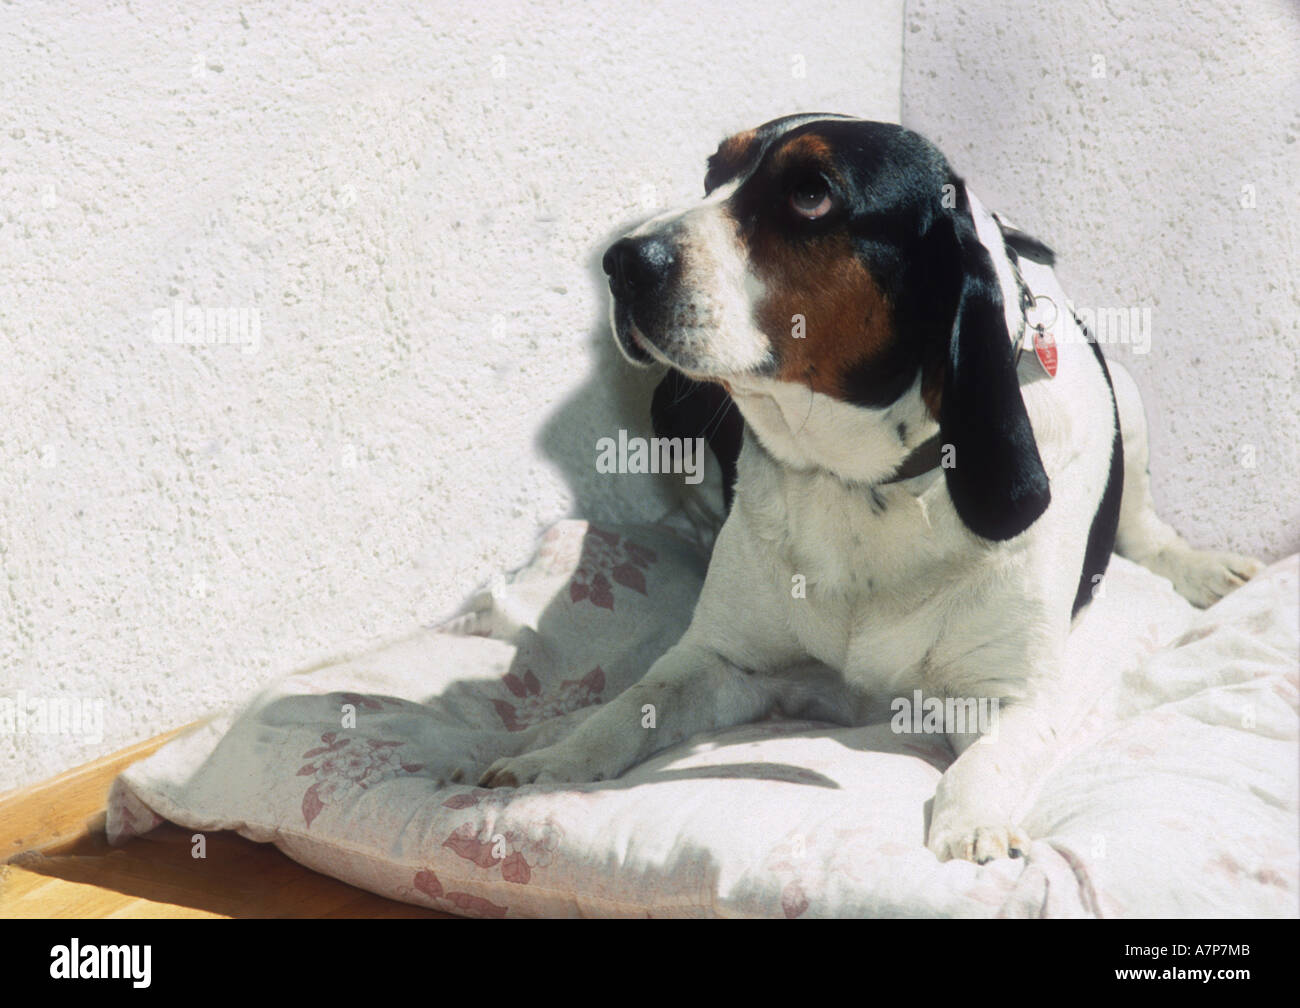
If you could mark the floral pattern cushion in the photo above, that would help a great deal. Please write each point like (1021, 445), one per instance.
(1177, 793)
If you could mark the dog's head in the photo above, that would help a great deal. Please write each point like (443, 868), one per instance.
(843, 261)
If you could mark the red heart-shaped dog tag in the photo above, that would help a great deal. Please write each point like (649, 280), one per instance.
(1045, 350)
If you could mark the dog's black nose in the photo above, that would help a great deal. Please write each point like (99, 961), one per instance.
(638, 266)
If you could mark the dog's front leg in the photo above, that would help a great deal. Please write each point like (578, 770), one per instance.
(690, 689)
(982, 797)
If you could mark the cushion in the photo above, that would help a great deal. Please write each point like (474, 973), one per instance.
(1175, 795)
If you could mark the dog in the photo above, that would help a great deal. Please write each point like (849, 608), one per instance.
(932, 463)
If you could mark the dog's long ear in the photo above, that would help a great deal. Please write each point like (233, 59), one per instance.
(996, 478)
(685, 408)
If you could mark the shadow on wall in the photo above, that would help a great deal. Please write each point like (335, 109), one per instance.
(616, 395)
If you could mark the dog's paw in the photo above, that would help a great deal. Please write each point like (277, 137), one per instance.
(980, 844)
(1203, 577)
(548, 765)
(458, 775)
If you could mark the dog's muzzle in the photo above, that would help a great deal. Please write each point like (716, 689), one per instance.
(641, 271)
(639, 268)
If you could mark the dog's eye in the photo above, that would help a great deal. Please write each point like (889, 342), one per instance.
(811, 198)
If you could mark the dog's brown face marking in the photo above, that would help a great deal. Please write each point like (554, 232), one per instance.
(822, 310)
(734, 154)
(810, 148)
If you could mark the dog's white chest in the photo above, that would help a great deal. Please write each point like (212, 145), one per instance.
(864, 567)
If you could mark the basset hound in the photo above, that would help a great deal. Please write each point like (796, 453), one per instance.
(928, 464)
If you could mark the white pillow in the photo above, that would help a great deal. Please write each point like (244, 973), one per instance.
(1169, 803)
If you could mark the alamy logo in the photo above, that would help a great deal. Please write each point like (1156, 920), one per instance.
(1122, 326)
(37, 715)
(651, 455)
(198, 326)
(102, 962)
(942, 715)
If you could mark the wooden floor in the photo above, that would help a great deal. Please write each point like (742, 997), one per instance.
(56, 863)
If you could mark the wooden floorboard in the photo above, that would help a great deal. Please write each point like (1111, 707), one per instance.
(61, 808)
(55, 862)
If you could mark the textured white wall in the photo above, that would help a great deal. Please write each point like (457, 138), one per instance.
(414, 199)
(1156, 146)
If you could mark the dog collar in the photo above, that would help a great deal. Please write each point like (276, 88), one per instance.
(924, 457)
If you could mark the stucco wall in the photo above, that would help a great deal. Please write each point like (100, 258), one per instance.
(411, 200)
(1156, 147)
